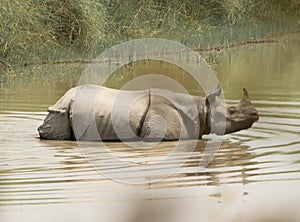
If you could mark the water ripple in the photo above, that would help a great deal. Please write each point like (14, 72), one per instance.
(47, 172)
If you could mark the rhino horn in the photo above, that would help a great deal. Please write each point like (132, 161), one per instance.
(246, 96)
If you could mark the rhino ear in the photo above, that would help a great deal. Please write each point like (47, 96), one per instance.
(210, 99)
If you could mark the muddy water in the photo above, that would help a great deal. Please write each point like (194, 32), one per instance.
(254, 169)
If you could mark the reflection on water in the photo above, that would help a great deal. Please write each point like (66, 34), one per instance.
(256, 166)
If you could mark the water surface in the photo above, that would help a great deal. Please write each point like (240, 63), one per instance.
(255, 167)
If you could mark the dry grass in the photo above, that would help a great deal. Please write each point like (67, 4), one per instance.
(48, 30)
(30, 27)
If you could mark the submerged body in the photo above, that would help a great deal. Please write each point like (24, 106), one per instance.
(94, 113)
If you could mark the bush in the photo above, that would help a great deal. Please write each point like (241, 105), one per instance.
(29, 27)
(39, 30)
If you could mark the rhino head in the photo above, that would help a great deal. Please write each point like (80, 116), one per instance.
(224, 118)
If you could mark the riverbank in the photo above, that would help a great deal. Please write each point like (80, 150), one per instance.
(37, 32)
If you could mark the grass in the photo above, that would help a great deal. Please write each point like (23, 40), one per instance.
(41, 29)
(34, 31)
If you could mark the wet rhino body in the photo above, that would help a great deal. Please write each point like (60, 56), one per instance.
(93, 113)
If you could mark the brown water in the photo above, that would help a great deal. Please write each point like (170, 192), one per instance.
(254, 169)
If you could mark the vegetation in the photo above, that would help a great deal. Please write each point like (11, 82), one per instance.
(35, 31)
(42, 29)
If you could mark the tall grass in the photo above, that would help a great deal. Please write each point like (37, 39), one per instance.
(29, 28)
(47, 30)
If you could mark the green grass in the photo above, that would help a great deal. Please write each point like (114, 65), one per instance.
(33, 30)
(36, 31)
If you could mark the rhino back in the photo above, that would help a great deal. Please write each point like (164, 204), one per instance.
(100, 113)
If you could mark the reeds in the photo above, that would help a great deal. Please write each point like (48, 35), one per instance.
(31, 28)
(47, 30)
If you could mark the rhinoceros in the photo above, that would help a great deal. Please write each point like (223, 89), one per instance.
(93, 113)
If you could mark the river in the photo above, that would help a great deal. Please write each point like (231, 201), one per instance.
(255, 175)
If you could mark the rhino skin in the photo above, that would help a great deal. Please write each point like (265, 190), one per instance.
(93, 113)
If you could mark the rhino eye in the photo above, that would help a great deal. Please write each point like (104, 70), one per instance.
(232, 109)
